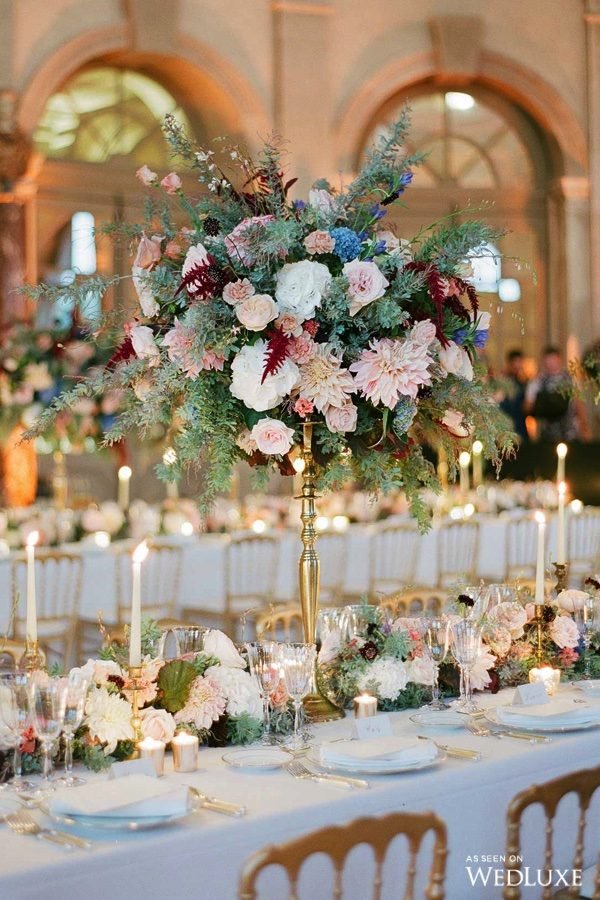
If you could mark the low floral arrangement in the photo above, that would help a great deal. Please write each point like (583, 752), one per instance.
(262, 313)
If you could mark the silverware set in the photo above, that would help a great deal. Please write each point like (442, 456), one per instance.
(202, 801)
(299, 770)
(480, 730)
(456, 752)
(24, 823)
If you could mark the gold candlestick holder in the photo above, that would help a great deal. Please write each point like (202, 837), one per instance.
(561, 572)
(317, 707)
(135, 675)
(539, 626)
(32, 659)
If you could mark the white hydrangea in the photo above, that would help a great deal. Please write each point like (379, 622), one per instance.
(300, 287)
(386, 676)
(247, 369)
(240, 689)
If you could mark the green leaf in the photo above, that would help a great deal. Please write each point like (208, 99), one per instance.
(174, 680)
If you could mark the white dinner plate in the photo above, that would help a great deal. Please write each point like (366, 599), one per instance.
(540, 726)
(591, 687)
(363, 768)
(9, 803)
(116, 823)
(261, 758)
(438, 718)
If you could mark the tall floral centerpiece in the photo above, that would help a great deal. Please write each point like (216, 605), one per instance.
(262, 313)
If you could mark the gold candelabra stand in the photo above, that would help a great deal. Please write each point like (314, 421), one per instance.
(561, 572)
(318, 708)
(135, 674)
(32, 659)
(539, 627)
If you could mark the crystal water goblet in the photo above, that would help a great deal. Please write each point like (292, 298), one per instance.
(466, 646)
(587, 619)
(14, 714)
(265, 666)
(298, 662)
(47, 702)
(436, 639)
(77, 686)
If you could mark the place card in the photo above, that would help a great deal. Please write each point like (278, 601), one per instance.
(143, 766)
(373, 727)
(530, 695)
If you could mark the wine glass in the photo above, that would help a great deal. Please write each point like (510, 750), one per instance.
(466, 644)
(14, 713)
(298, 662)
(77, 686)
(47, 701)
(263, 657)
(436, 637)
(587, 620)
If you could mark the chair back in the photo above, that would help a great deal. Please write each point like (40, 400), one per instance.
(521, 547)
(331, 547)
(11, 653)
(548, 795)
(584, 541)
(458, 545)
(161, 575)
(417, 602)
(282, 623)
(393, 557)
(337, 841)
(58, 580)
(250, 573)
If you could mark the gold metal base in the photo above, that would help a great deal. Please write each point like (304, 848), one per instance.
(319, 709)
(32, 660)
(135, 674)
(561, 572)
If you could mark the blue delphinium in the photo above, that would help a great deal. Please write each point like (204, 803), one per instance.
(478, 338)
(404, 414)
(347, 243)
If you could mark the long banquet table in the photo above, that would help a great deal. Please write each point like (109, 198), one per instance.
(202, 856)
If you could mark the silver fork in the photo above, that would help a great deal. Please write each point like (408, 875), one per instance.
(299, 770)
(215, 805)
(482, 731)
(23, 823)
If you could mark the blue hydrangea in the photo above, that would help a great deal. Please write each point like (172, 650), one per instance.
(347, 243)
(404, 414)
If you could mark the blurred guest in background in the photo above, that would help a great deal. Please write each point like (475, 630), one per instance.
(514, 384)
(559, 415)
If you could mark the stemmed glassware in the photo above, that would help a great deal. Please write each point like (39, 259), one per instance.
(14, 714)
(47, 702)
(587, 618)
(76, 693)
(466, 645)
(265, 666)
(298, 662)
(436, 637)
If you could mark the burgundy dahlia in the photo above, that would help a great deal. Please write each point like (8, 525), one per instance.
(369, 651)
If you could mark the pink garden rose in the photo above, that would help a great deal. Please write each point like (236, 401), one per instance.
(142, 338)
(272, 436)
(237, 242)
(455, 360)
(146, 176)
(157, 724)
(148, 251)
(182, 350)
(510, 615)
(564, 632)
(366, 283)
(454, 422)
(572, 600)
(341, 419)
(256, 312)
(319, 242)
(302, 349)
(237, 291)
(173, 250)
(171, 183)
(289, 324)
(303, 407)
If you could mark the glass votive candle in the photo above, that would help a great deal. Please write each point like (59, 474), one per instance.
(547, 676)
(365, 705)
(154, 750)
(185, 752)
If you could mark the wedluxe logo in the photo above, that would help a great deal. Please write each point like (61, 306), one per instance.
(496, 871)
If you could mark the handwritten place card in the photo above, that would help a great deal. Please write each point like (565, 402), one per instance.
(143, 766)
(373, 727)
(530, 695)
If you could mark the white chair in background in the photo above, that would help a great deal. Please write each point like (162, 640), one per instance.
(583, 543)
(393, 557)
(521, 547)
(458, 546)
(331, 548)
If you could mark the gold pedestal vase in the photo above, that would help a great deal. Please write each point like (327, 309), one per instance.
(317, 707)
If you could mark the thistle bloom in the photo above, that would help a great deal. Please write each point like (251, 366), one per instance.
(324, 381)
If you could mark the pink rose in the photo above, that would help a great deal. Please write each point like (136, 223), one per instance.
(157, 724)
(146, 176)
(340, 419)
(173, 250)
(303, 407)
(289, 324)
(256, 312)
(237, 291)
(319, 242)
(238, 243)
(510, 615)
(144, 346)
(572, 600)
(272, 436)
(564, 632)
(455, 360)
(171, 183)
(302, 349)
(454, 422)
(366, 283)
(148, 251)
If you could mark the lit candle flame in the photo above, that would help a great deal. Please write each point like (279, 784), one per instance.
(124, 473)
(140, 553)
(32, 538)
(540, 518)
(477, 447)
(561, 450)
(562, 488)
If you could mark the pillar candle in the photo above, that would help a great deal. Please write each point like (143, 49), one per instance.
(154, 750)
(540, 598)
(124, 476)
(464, 461)
(561, 554)
(561, 452)
(477, 463)
(185, 752)
(365, 705)
(135, 632)
(31, 614)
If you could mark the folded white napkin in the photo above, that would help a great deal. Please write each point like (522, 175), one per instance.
(385, 752)
(558, 712)
(133, 797)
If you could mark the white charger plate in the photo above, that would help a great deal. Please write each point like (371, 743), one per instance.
(116, 823)
(259, 758)
(541, 727)
(438, 718)
(363, 768)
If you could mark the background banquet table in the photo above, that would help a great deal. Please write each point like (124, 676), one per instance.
(202, 857)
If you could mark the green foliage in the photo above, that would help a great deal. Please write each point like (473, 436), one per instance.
(174, 680)
(243, 729)
(202, 661)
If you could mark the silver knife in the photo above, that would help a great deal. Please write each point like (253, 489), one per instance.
(215, 805)
(342, 779)
(456, 752)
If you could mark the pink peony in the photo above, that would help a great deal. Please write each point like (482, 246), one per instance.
(366, 283)
(454, 422)
(237, 291)
(319, 242)
(148, 251)
(272, 436)
(395, 368)
(238, 243)
(256, 312)
(564, 632)
(142, 338)
(302, 349)
(303, 407)
(205, 704)
(146, 176)
(171, 183)
(340, 419)
(455, 360)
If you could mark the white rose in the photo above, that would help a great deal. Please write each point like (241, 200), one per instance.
(572, 600)
(510, 615)
(216, 643)
(256, 312)
(300, 287)
(341, 419)
(144, 291)
(420, 670)
(247, 370)
(366, 283)
(240, 689)
(272, 436)
(144, 346)
(564, 632)
(157, 724)
(455, 360)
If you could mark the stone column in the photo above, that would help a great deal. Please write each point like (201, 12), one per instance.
(579, 324)
(592, 25)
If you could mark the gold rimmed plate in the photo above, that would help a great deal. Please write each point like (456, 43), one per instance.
(539, 726)
(362, 767)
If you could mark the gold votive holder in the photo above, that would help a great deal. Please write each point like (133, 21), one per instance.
(561, 573)
(547, 676)
(135, 675)
(365, 706)
(155, 751)
(185, 752)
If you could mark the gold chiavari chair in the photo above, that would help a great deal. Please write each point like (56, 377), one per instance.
(415, 602)
(583, 543)
(393, 557)
(521, 547)
(250, 573)
(549, 795)
(282, 623)
(331, 547)
(58, 579)
(337, 841)
(11, 653)
(458, 545)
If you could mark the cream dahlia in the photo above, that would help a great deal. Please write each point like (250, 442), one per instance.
(323, 380)
(205, 704)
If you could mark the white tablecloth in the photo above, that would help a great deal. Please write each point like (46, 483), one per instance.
(202, 857)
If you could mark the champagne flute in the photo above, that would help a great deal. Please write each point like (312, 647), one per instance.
(47, 701)
(263, 657)
(436, 637)
(14, 713)
(77, 686)
(587, 620)
(298, 661)
(466, 644)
